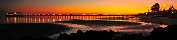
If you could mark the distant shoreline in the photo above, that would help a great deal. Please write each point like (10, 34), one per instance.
(167, 20)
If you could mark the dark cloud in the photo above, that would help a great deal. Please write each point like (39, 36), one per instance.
(45, 3)
(8, 2)
(5, 4)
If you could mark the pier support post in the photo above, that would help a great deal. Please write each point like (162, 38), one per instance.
(2, 16)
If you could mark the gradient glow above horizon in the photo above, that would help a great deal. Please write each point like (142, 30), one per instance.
(83, 6)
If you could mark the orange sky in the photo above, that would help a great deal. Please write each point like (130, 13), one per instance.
(88, 6)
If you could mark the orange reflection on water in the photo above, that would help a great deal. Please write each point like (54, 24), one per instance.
(49, 19)
(145, 27)
(75, 27)
(163, 26)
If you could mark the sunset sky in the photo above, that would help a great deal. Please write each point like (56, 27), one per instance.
(83, 6)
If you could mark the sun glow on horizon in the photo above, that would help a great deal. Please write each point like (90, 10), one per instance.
(89, 6)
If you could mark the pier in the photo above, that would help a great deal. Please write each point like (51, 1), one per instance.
(13, 15)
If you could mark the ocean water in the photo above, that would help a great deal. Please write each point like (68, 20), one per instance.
(129, 24)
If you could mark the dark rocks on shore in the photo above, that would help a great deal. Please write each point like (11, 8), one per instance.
(168, 33)
(33, 29)
(14, 30)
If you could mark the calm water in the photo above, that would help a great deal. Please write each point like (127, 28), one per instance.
(139, 28)
(50, 19)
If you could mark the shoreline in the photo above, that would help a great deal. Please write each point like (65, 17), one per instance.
(166, 20)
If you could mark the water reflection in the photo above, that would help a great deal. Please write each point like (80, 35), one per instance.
(143, 27)
(49, 19)
(122, 28)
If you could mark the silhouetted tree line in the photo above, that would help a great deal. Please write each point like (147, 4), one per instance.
(168, 33)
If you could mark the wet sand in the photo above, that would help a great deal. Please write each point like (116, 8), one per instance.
(99, 22)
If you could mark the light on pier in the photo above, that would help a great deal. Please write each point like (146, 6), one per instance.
(172, 12)
(83, 14)
(53, 14)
